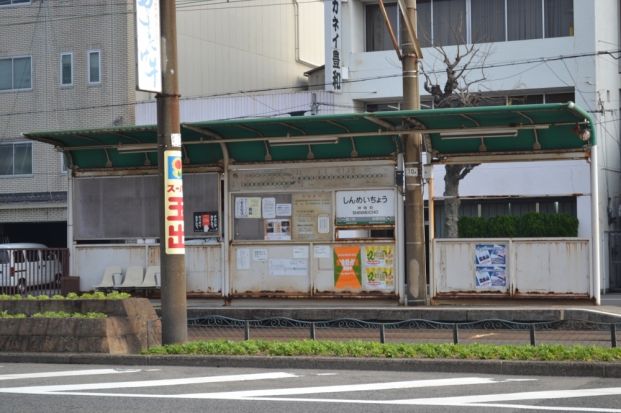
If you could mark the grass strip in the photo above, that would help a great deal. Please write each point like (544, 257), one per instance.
(543, 352)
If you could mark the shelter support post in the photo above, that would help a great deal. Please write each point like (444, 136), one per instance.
(414, 212)
(595, 236)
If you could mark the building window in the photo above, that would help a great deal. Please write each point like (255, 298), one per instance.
(559, 16)
(94, 66)
(451, 22)
(16, 73)
(488, 21)
(377, 36)
(66, 69)
(524, 19)
(12, 2)
(63, 164)
(16, 159)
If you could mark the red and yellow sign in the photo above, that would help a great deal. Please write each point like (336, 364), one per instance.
(173, 203)
(347, 267)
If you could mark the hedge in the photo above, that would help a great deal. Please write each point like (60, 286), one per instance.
(510, 226)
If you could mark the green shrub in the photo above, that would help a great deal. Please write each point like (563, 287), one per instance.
(97, 295)
(472, 227)
(6, 314)
(532, 225)
(502, 226)
(64, 314)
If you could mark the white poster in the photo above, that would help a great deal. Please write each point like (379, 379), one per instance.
(288, 267)
(277, 230)
(323, 224)
(300, 252)
(322, 251)
(243, 258)
(268, 205)
(247, 207)
(259, 254)
(283, 210)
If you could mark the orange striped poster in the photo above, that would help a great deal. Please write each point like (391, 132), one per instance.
(347, 267)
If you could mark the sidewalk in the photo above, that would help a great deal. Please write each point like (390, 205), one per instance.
(385, 310)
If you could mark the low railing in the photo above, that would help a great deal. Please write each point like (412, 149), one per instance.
(33, 271)
(491, 331)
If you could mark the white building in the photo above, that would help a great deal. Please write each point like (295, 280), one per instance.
(531, 51)
(64, 66)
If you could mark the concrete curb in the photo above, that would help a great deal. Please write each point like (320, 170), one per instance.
(505, 367)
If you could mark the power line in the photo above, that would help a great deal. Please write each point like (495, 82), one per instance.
(310, 86)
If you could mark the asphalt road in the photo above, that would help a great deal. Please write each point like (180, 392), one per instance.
(94, 388)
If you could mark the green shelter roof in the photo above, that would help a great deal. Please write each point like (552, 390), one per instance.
(474, 134)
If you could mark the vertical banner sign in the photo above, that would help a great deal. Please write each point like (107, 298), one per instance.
(173, 203)
(333, 51)
(148, 54)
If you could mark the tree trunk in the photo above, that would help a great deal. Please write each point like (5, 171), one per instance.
(451, 200)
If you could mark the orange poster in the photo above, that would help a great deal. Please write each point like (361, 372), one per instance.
(347, 267)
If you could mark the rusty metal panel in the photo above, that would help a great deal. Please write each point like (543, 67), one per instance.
(534, 267)
(262, 269)
(203, 263)
(454, 266)
(552, 266)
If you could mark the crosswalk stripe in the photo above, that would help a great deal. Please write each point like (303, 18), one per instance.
(502, 397)
(344, 388)
(144, 383)
(65, 373)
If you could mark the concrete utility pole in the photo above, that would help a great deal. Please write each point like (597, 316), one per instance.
(172, 247)
(414, 204)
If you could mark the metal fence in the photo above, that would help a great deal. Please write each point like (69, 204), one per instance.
(35, 271)
(491, 331)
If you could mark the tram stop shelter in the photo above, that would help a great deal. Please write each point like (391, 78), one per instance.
(312, 206)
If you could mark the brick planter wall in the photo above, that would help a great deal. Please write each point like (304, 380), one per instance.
(131, 326)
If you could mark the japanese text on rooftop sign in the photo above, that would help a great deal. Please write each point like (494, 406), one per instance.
(148, 54)
(333, 52)
(173, 203)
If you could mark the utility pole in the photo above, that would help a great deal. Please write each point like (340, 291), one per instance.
(172, 245)
(414, 203)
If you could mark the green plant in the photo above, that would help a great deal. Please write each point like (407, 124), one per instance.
(6, 314)
(529, 225)
(97, 295)
(502, 226)
(472, 227)
(545, 352)
(63, 314)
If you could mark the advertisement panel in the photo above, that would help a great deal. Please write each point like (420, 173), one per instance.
(347, 267)
(490, 265)
(173, 203)
(148, 54)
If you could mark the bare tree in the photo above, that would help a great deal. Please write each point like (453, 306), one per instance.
(456, 92)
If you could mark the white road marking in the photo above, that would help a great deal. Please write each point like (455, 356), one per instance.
(344, 388)
(483, 400)
(326, 374)
(501, 397)
(143, 383)
(67, 373)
